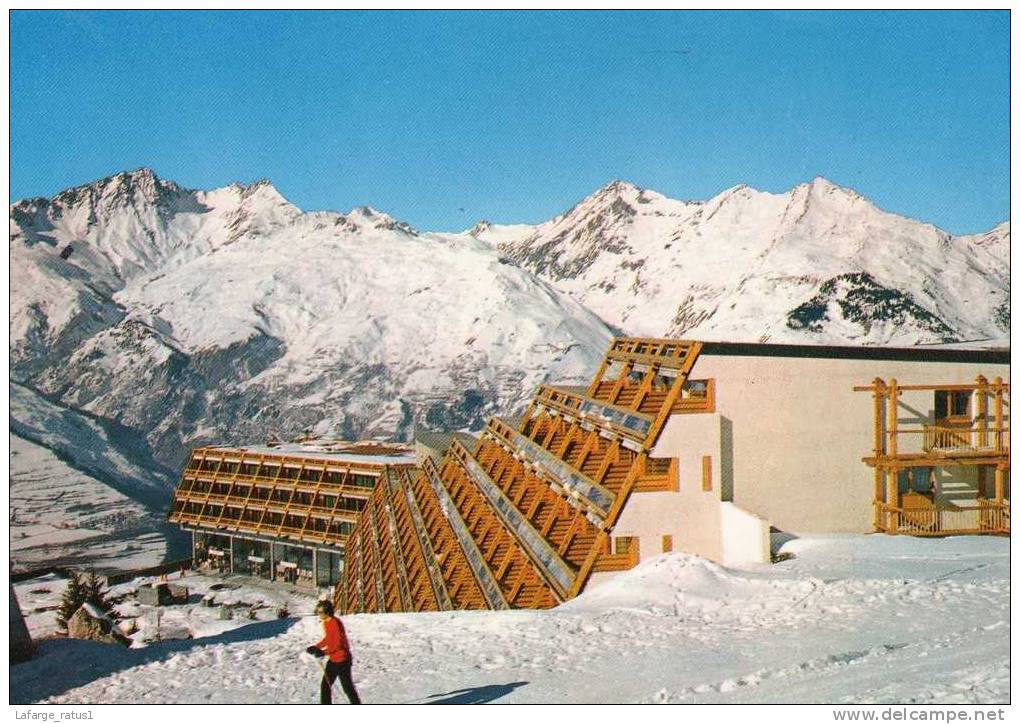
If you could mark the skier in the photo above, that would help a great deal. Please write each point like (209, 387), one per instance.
(334, 645)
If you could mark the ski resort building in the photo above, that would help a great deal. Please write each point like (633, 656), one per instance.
(280, 512)
(709, 448)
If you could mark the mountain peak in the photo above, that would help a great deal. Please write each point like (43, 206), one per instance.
(616, 188)
(619, 185)
(260, 186)
(481, 227)
(143, 179)
(368, 217)
(139, 186)
(820, 185)
(616, 197)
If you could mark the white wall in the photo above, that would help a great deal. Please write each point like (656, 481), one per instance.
(745, 537)
(794, 432)
(786, 445)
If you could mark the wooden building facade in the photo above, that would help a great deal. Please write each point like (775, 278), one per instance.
(280, 513)
(524, 518)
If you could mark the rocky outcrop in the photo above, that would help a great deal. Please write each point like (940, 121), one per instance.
(91, 624)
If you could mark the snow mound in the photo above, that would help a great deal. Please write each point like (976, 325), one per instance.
(675, 581)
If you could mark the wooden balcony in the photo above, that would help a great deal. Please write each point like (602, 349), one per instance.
(914, 517)
(696, 397)
(623, 559)
(956, 439)
(967, 427)
(660, 475)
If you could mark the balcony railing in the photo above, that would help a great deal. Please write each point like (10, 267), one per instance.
(942, 438)
(611, 417)
(696, 396)
(345, 487)
(420, 530)
(544, 555)
(486, 580)
(981, 517)
(578, 486)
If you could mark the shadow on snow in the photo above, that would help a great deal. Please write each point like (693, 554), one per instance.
(63, 664)
(476, 694)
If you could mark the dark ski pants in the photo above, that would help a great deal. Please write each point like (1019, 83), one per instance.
(343, 670)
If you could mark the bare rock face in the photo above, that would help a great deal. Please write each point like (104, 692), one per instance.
(89, 623)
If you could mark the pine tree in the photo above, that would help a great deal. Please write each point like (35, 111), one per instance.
(80, 591)
(94, 594)
(71, 601)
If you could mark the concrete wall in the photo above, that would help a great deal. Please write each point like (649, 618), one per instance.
(21, 647)
(699, 520)
(691, 515)
(745, 537)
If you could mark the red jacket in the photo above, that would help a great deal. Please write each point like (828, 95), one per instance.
(334, 643)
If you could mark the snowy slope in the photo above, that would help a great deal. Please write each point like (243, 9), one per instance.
(82, 492)
(818, 264)
(229, 315)
(851, 619)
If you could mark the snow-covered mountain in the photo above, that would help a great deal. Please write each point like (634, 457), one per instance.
(84, 491)
(229, 315)
(818, 264)
(171, 317)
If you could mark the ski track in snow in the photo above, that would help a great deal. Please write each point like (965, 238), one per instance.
(851, 619)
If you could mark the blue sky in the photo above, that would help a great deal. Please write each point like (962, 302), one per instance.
(441, 119)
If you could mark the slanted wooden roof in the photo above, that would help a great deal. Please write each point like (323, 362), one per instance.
(439, 442)
(521, 518)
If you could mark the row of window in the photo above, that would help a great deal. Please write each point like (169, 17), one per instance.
(269, 471)
(282, 497)
(267, 519)
(270, 561)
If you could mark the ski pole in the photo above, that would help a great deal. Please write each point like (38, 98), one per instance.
(322, 668)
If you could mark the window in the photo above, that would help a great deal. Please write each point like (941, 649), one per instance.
(952, 403)
(362, 481)
(667, 544)
(696, 388)
(706, 472)
(624, 544)
(612, 371)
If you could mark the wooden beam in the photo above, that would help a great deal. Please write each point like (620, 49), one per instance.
(998, 414)
(892, 414)
(646, 385)
(932, 388)
(621, 381)
(981, 411)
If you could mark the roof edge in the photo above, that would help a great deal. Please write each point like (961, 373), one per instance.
(906, 354)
